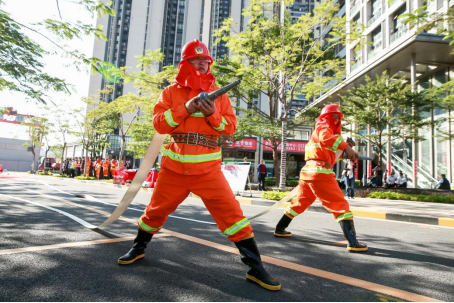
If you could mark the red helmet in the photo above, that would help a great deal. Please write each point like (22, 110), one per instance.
(331, 109)
(195, 48)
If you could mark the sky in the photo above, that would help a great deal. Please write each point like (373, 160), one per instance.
(28, 12)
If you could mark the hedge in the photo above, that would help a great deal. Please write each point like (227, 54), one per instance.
(61, 176)
(290, 182)
(411, 197)
(271, 195)
(84, 178)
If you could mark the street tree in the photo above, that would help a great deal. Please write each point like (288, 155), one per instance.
(37, 128)
(385, 105)
(444, 98)
(282, 59)
(21, 63)
(149, 83)
(93, 127)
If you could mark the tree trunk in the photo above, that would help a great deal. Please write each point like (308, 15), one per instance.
(283, 177)
(275, 164)
(34, 159)
(122, 149)
(62, 158)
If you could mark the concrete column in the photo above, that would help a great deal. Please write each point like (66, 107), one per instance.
(414, 142)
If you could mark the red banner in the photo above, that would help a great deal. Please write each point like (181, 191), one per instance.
(292, 146)
(247, 144)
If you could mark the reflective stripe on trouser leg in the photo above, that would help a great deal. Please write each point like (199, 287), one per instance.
(218, 198)
(330, 195)
(290, 212)
(169, 192)
(303, 200)
(346, 216)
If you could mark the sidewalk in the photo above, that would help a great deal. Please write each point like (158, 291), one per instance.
(409, 211)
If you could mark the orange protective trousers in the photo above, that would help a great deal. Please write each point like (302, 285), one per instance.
(172, 188)
(328, 193)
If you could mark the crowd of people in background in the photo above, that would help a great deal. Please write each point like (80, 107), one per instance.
(101, 168)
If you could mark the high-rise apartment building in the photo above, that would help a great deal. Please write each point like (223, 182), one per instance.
(424, 60)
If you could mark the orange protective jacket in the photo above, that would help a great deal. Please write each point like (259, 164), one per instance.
(170, 116)
(322, 146)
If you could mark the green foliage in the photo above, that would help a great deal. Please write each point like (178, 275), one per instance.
(411, 197)
(283, 60)
(84, 178)
(20, 57)
(385, 101)
(29, 172)
(428, 20)
(61, 176)
(272, 195)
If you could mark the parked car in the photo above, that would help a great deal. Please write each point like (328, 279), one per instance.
(56, 166)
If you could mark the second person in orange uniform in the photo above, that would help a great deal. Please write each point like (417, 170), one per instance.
(192, 162)
(317, 179)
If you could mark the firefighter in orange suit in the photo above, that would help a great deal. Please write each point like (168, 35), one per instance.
(87, 167)
(105, 168)
(98, 165)
(192, 162)
(317, 179)
(113, 167)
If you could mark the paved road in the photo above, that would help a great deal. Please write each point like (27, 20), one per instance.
(47, 256)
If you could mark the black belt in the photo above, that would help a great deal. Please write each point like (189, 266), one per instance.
(195, 139)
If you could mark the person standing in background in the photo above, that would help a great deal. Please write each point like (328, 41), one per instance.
(261, 173)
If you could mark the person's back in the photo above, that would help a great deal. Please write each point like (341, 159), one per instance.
(443, 183)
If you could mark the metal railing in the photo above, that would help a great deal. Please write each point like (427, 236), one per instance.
(400, 31)
(374, 18)
(355, 65)
(377, 48)
(355, 8)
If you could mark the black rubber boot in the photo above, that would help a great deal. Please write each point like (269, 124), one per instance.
(250, 256)
(281, 226)
(138, 249)
(348, 227)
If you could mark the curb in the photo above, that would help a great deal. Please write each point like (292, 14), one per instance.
(447, 222)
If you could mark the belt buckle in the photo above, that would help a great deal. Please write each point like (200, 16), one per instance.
(195, 140)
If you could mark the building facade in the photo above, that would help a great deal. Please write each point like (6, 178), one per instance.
(424, 60)
(15, 154)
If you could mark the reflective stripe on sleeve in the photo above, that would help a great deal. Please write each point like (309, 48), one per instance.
(169, 119)
(192, 158)
(236, 227)
(337, 143)
(198, 115)
(222, 125)
(312, 146)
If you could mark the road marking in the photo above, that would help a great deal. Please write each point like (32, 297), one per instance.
(71, 244)
(293, 266)
(93, 199)
(394, 292)
(374, 219)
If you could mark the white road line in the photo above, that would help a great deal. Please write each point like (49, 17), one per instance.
(78, 220)
(93, 199)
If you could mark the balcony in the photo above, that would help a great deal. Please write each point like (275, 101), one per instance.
(355, 8)
(377, 48)
(374, 18)
(400, 31)
(355, 65)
